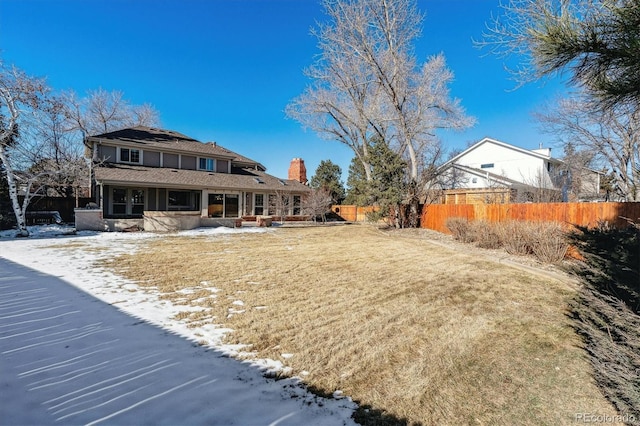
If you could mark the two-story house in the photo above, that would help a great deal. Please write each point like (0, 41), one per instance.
(491, 171)
(164, 180)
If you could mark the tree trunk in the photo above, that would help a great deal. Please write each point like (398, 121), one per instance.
(13, 194)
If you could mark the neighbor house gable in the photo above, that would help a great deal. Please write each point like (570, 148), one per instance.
(531, 168)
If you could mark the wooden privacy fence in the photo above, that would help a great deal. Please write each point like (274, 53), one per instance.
(435, 216)
(352, 213)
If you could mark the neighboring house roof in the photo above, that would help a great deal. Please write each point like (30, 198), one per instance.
(170, 141)
(240, 179)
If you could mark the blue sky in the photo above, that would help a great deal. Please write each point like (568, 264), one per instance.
(224, 70)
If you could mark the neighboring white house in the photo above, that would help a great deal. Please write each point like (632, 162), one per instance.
(494, 167)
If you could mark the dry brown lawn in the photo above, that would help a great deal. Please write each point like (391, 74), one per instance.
(412, 331)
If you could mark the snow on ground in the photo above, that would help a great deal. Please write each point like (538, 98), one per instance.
(57, 251)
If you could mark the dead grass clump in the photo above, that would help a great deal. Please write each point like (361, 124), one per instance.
(415, 332)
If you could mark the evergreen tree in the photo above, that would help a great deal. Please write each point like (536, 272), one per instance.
(327, 177)
(596, 41)
(357, 185)
(388, 184)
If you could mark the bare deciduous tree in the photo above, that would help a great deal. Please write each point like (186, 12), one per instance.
(101, 112)
(20, 97)
(317, 203)
(611, 136)
(368, 84)
(60, 152)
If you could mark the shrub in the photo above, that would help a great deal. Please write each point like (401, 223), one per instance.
(546, 241)
(607, 310)
(549, 242)
(515, 237)
(461, 229)
(487, 234)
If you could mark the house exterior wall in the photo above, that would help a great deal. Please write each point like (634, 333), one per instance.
(170, 160)
(151, 158)
(188, 162)
(464, 179)
(108, 154)
(222, 166)
(507, 162)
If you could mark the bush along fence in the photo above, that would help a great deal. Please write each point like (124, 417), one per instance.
(435, 216)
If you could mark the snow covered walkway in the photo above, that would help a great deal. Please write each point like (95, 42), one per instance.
(69, 358)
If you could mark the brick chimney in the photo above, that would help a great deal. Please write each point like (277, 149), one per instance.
(297, 170)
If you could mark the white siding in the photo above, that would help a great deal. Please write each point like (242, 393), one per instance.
(503, 161)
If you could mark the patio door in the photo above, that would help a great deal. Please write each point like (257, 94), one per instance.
(224, 205)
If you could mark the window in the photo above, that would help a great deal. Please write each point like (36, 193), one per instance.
(216, 205)
(207, 164)
(231, 205)
(119, 202)
(137, 202)
(224, 205)
(128, 155)
(178, 199)
(127, 202)
(184, 200)
(259, 205)
(486, 166)
(272, 204)
(296, 205)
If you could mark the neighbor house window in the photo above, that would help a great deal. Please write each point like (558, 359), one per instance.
(486, 166)
(130, 155)
(207, 164)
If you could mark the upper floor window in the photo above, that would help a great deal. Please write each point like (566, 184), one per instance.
(130, 155)
(486, 166)
(206, 164)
